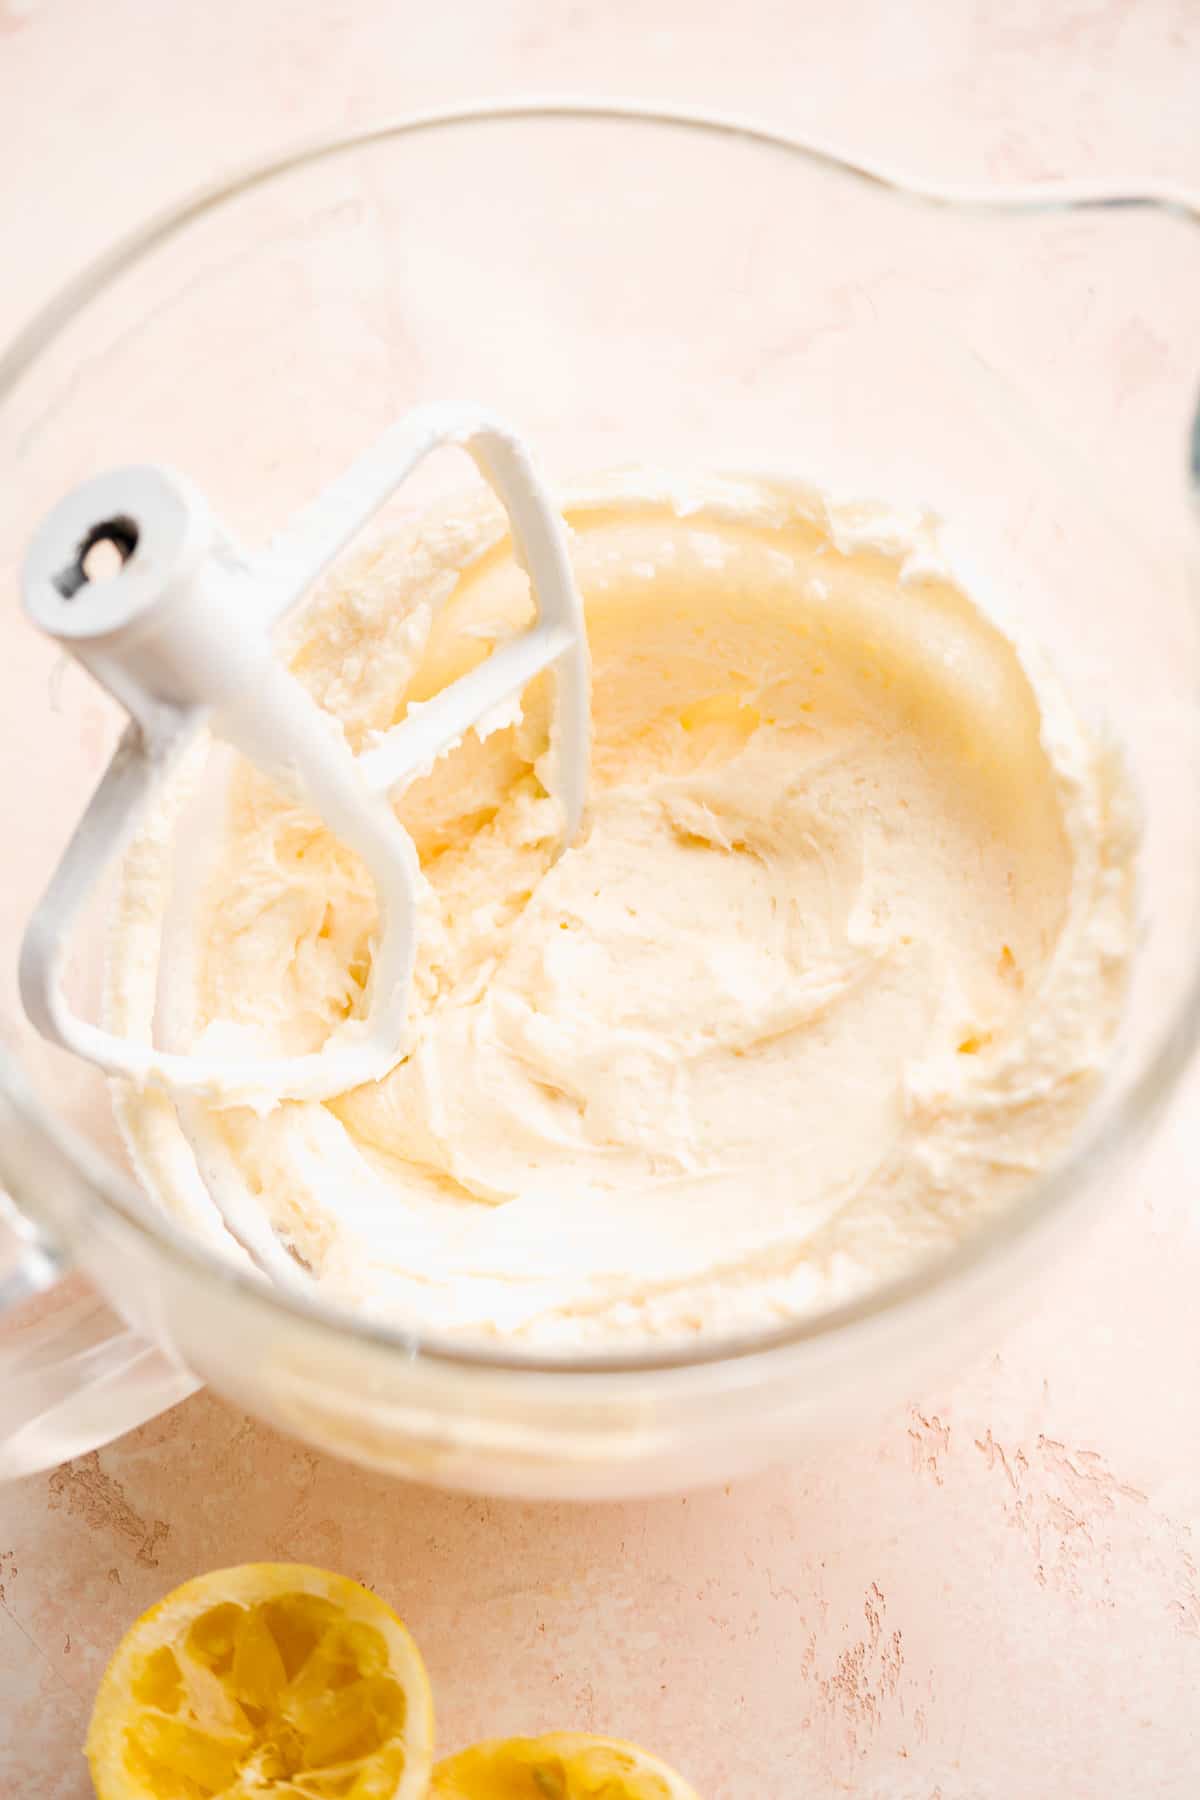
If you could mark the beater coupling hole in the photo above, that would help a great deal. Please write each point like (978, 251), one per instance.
(101, 556)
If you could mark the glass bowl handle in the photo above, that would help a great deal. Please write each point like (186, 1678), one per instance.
(73, 1375)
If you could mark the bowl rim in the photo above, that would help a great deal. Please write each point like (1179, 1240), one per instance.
(986, 1246)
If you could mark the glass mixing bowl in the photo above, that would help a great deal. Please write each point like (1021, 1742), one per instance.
(622, 287)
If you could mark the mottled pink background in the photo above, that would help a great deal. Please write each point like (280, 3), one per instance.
(994, 1594)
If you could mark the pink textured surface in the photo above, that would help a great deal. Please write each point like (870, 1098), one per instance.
(996, 1591)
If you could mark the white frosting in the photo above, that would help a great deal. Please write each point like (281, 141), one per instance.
(832, 971)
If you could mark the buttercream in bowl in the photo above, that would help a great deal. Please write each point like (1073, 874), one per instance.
(831, 973)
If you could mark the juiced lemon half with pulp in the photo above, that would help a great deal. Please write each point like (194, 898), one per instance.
(273, 1679)
(563, 1766)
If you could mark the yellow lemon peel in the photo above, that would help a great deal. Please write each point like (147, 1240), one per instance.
(272, 1679)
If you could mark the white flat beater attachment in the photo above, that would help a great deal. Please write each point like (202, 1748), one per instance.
(181, 636)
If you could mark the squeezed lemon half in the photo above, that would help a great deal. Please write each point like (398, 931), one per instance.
(562, 1766)
(273, 1679)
